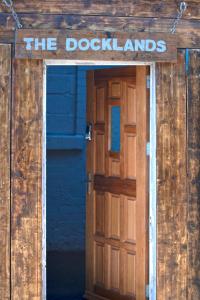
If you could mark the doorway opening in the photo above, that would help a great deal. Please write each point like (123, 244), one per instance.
(76, 261)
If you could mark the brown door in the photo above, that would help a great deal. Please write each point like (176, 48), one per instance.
(117, 195)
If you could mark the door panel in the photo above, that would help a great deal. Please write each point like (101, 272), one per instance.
(117, 198)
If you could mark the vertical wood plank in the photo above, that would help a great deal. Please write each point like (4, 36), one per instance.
(5, 99)
(193, 125)
(26, 204)
(171, 179)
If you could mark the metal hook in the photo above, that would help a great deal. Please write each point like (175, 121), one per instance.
(183, 6)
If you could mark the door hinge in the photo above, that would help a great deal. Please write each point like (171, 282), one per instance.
(147, 291)
(148, 81)
(89, 183)
(148, 149)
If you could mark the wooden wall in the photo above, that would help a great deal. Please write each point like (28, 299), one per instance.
(95, 15)
(140, 8)
(178, 154)
(5, 97)
(26, 191)
(172, 180)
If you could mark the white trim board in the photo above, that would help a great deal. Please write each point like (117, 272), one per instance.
(44, 187)
(62, 62)
(152, 167)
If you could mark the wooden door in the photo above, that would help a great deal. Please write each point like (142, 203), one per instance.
(117, 196)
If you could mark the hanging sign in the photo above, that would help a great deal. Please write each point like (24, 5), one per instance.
(107, 46)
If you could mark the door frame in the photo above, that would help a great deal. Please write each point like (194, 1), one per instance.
(152, 166)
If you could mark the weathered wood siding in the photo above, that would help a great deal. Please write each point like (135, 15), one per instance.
(107, 16)
(193, 163)
(172, 180)
(188, 31)
(140, 8)
(178, 119)
(178, 156)
(5, 99)
(26, 210)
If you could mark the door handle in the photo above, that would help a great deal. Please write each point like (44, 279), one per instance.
(88, 135)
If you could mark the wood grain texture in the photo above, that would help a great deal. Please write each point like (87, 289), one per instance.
(111, 295)
(116, 212)
(188, 30)
(103, 23)
(140, 8)
(99, 22)
(115, 185)
(169, 54)
(172, 181)
(6, 36)
(193, 222)
(26, 207)
(5, 101)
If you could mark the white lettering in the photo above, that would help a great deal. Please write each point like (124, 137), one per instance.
(150, 45)
(28, 42)
(51, 44)
(128, 46)
(106, 44)
(139, 45)
(71, 44)
(84, 44)
(95, 44)
(40, 44)
(161, 46)
(115, 45)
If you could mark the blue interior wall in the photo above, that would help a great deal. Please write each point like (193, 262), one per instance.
(66, 181)
(66, 156)
(65, 159)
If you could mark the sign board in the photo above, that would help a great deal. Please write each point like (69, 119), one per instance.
(105, 46)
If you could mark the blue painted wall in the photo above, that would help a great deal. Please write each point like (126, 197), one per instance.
(66, 181)
(66, 187)
(65, 158)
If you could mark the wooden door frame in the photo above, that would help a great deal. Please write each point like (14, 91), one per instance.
(152, 166)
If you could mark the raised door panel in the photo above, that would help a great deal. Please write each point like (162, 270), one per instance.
(115, 269)
(130, 108)
(99, 128)
(129, 219)
(130, 155)
(115, 88)
(99, 213)
(114, 167)
(130, 274)
(114, 217)
(99, 153)
(100, 103)
(99, 264)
